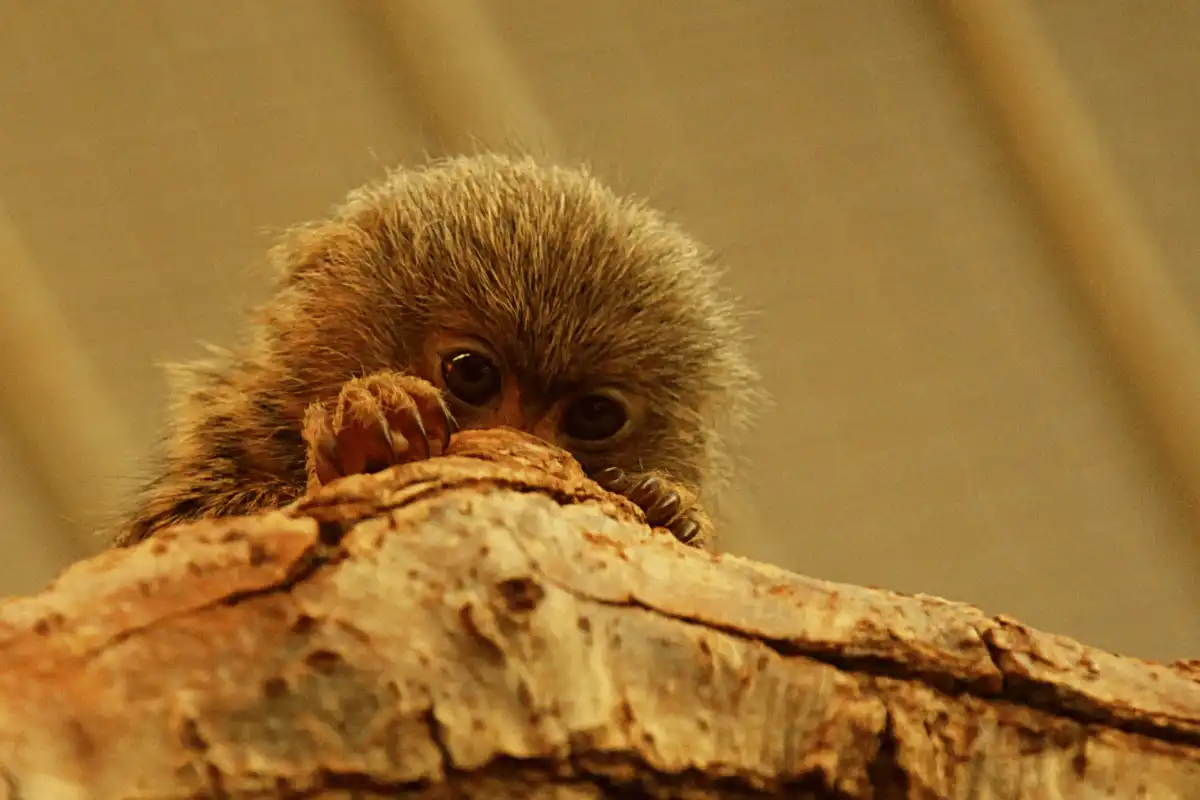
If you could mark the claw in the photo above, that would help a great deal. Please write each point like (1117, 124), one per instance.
(377, 463)
(610, 477)
(648, 489)
(450, 426)
(665, 509)
(386, 430)
(686, 530)
(424, 435)
(660, 500)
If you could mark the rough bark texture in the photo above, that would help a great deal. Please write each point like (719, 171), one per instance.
(492, 625)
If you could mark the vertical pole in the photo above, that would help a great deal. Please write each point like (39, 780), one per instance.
(60, 414)
(1114, 266)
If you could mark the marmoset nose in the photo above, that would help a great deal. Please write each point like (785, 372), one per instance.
(511, 412)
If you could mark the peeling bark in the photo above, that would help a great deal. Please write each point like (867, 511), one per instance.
(492, 625)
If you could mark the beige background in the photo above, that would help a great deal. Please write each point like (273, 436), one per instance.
(948, 419)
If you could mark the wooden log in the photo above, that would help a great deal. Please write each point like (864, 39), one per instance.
(491, 624)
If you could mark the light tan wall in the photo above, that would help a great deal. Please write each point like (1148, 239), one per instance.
(947, 418)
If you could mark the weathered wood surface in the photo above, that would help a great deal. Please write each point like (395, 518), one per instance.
(492, 625)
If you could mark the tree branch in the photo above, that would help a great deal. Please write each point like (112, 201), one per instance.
(491, 624)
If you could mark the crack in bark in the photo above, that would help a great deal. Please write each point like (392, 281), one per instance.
(1014, 689)
(438, 737)
(324, 552)
(888, 778)
(643, 782)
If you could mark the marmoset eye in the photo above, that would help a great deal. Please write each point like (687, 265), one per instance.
(594, 418)
(471, 377)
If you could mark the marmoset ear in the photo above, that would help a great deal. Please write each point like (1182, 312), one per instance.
(354, 236)
(300, 251)
(308, 251)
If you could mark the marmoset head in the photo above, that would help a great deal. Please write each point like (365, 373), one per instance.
(534, 297)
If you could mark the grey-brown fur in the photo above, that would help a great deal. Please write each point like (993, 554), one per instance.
(569, 283)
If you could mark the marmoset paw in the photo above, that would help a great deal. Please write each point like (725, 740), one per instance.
(665, 503)
(384, 419)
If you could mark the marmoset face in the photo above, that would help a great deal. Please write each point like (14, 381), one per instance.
(534, 298)
(595, 412)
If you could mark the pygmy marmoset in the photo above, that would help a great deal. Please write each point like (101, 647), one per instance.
(472, 292)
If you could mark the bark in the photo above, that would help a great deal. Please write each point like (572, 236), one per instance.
(492, 625)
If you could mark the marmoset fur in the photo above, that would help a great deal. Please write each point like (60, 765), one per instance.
(472, 292)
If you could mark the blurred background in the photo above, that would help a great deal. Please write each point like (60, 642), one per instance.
(968, 232)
